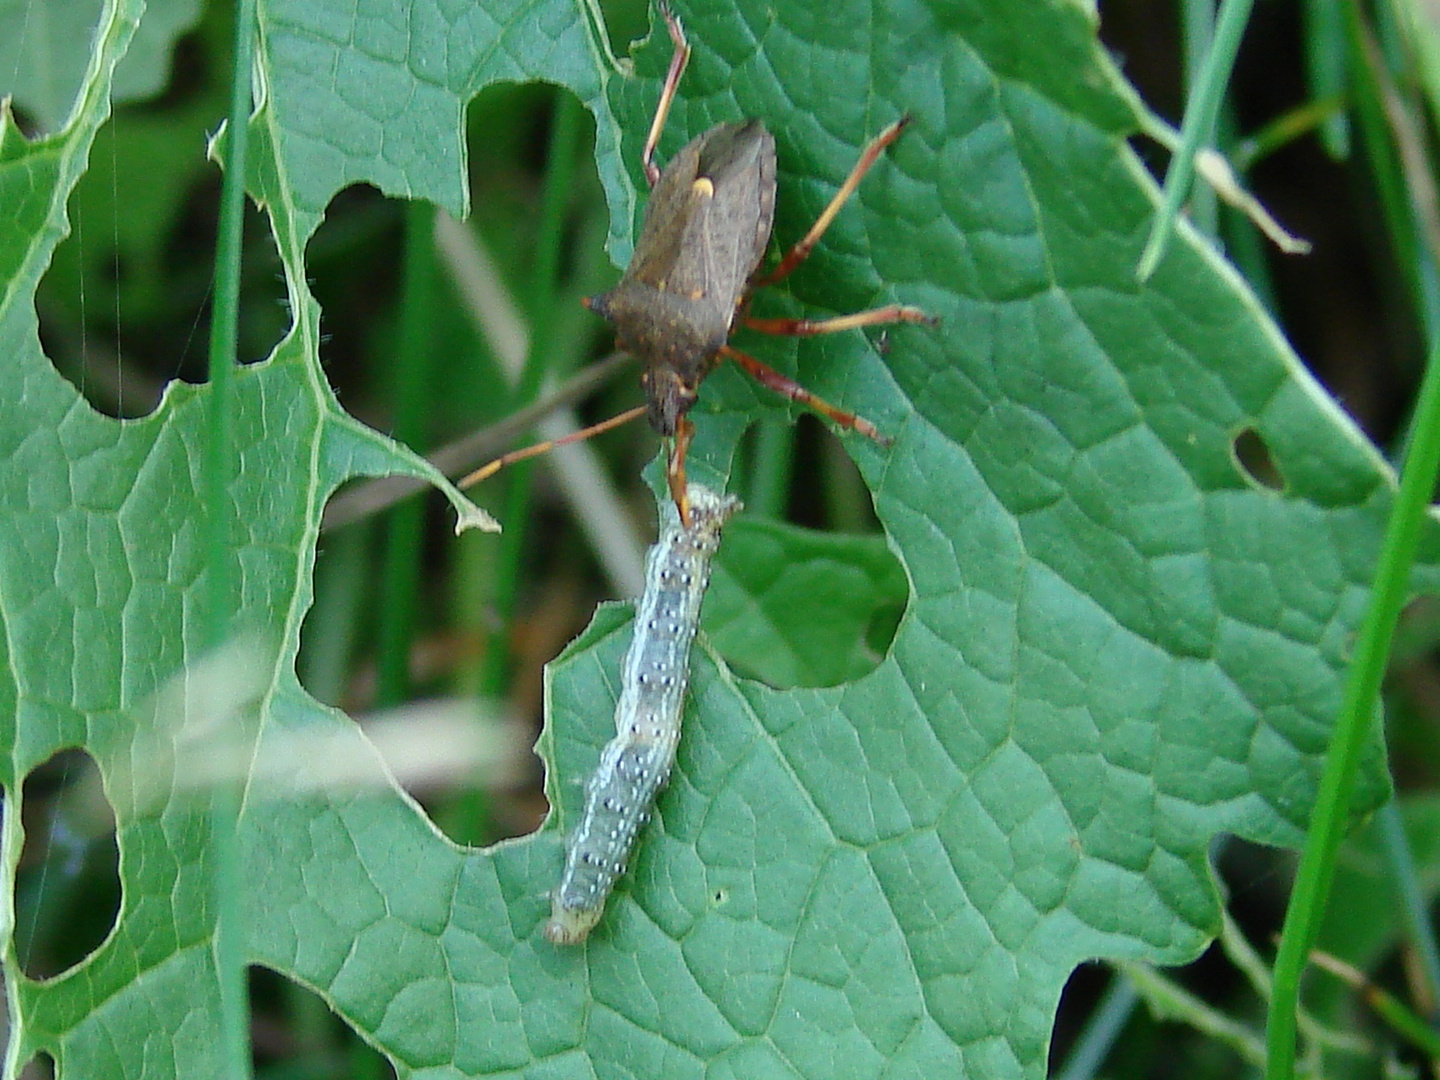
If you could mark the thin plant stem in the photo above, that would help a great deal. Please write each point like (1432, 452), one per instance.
(1283, 130)
(1403, 175)
(457, 458)
(1326, 58)
(1397, 1016)
(1412, 902)
(220, 600)
(1167, 1000)
(1197, 37)
(1372, 648)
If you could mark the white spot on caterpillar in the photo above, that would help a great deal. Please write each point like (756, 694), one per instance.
(635, 764)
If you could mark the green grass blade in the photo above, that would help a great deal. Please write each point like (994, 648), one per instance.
(1200, 113)
(400, 571)
(1326, 57)
(1417, 917)
(1105, 1025)
(219, 466)
(555, 197)
(1357, 716)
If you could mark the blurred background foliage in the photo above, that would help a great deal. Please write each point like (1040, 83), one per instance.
(409, 619)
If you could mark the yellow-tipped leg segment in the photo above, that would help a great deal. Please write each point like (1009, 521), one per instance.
(678, 60)
(891, 313)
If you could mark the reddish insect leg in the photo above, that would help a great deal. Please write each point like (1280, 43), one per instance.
(768, 377)
(796, 255)
(891, 313)
(675, 469)
(667, 93)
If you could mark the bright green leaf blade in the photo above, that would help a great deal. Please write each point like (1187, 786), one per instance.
(45, 47)
(377, 97)
(769, 582)
(100, 575)
(1116, 645)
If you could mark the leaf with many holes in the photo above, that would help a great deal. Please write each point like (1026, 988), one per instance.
(1116, 644)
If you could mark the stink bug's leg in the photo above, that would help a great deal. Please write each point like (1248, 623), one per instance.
(667, 93)
(768, 377)
(675, 469)
(796, 255)
(891, 313)
(487, 471)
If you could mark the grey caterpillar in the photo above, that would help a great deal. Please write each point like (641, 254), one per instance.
(636, 763)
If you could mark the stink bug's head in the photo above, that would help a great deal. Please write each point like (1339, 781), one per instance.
(667, 399)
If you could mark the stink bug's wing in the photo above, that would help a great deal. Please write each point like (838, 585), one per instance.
(709, 219)
(729, 232)
(667, 217)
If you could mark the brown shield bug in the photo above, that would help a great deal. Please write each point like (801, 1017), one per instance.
(705, 230)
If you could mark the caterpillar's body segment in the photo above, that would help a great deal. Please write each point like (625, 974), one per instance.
(636, 763)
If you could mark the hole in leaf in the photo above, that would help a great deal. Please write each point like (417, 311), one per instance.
(126, 304)
(445, 747)
(1095, 988)
(626, 24)
(420, 636)
(40, 1067)
(1253, 457)
(295, 1033)
(354, 265)
(1083, 993)
(68, 886)
(793, 607)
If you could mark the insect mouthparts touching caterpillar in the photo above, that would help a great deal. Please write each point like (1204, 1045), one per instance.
(653, 678)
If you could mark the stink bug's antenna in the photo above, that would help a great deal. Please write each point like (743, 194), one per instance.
(489, 470)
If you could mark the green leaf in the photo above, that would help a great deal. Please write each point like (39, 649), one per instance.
(101, 564)
(1116, 644)
(46, 45)
(769, 582)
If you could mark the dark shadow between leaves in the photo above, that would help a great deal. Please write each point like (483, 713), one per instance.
(1085, 992)
(67, 894)
(295, 1033)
